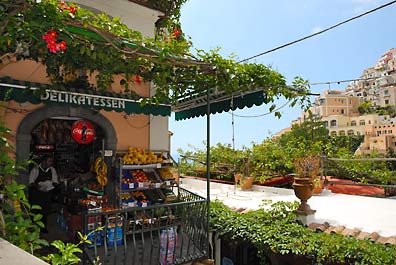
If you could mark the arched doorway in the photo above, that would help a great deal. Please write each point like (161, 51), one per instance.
(24, 137)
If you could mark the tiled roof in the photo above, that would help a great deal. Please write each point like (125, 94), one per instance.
(356, 233)
(342, 230)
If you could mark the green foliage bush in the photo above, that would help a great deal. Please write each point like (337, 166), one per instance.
(19, 225)
(275, 229)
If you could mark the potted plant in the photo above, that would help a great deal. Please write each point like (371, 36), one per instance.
(243, 177)
(307, 169)
(318, 185)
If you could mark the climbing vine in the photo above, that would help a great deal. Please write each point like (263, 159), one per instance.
(105, 47)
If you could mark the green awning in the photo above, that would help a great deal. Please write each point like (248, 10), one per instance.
(195, 106)
(36, 93)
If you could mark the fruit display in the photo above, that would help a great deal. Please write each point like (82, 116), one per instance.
(141, 198)
(128, 200)
(128, 183)
(100, 169)
(165, 173)
(140, 176)
(94, 186)
(138, 156)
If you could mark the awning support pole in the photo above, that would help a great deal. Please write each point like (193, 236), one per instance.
(208, 160)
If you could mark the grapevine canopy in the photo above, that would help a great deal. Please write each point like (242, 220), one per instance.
(67, 38)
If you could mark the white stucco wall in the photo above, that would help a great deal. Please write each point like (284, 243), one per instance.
(135, 16)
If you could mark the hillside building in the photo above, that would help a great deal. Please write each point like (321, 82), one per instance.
(339, 109)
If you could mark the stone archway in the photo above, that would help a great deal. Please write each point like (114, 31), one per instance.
(23, 134)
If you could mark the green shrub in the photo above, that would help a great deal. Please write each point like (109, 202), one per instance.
(276, 230)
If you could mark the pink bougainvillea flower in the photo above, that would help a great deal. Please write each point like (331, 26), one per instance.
(62, 45)
(138, 79)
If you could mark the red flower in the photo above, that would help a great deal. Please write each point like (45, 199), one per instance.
(176, 32)
(138, 79)
(62, 45)
(50, 36)
(73, 9)
(53, 47)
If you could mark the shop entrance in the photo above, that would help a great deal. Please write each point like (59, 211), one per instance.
(47, 133)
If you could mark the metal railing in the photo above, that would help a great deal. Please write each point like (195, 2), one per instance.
(168, 233)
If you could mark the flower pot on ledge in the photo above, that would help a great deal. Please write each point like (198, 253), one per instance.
(307, 169)
(318, 185)
(245, 183)
(303, 188)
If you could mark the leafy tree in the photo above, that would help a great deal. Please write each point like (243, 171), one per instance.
(365, 107)
(338, 145)
(270, 159)
(18, 224)
(224, 160)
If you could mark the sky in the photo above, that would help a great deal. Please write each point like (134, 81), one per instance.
(249, 27)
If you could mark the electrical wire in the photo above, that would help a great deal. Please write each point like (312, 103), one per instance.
(319, 32)
(348, 80)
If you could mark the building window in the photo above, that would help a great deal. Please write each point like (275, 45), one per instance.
(342, 111)
(333, 133)
(384, 131)
(386, 102)
(333, 123)
(362, 122)
(341, 133)
(386, 92)
(353, 123)
(350, 132)
(326, 124)
(378, 133)
(390, 131)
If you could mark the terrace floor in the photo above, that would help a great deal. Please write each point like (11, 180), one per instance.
(368, 214)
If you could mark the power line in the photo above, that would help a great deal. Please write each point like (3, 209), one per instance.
(311, 84)
(347, 80)
(319, 32)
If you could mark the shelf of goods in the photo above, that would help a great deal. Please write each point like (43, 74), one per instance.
(147, 183)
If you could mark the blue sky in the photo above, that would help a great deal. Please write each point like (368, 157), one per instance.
(249, 27)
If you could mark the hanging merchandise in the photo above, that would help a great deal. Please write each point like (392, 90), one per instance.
(83, 132)
(100, 168)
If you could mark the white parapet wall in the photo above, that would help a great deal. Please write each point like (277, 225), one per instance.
(11, 254)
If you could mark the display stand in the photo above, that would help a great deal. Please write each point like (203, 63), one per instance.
(142, 185)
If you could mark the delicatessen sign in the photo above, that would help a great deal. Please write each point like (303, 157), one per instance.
(83, 99)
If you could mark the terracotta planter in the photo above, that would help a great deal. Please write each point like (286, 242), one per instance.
(246, 183)
(318, 186)
(303, 188)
